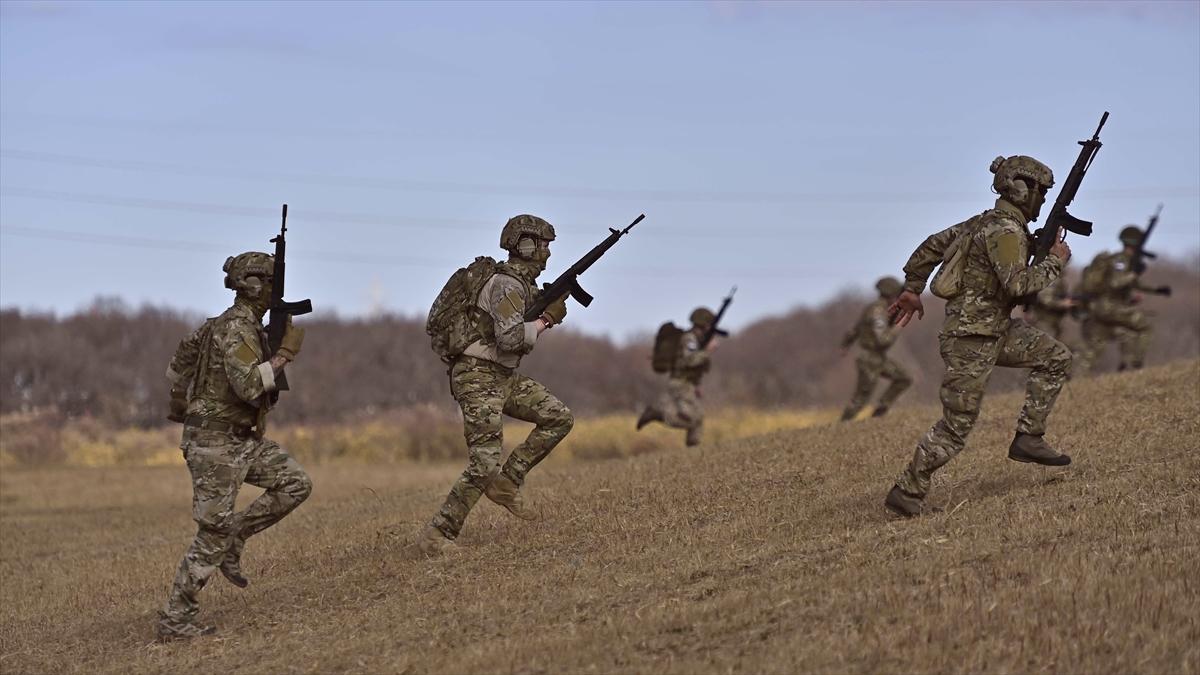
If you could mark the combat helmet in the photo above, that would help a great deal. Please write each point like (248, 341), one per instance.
(1008, 169)
(244, 272)
(889, 286)
(702, 316)
(524, 225)
(1130, 235)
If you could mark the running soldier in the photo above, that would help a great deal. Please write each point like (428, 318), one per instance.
(478, 327)
(222, 379)
(679, 404)
(875, 335)
(985, 258)
(1114, 290)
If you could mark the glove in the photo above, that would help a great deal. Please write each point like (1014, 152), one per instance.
(179, 406)
(1163, 290)
(556, 311)
(293, 337)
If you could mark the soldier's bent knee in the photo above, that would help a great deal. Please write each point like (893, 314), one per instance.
(300, 487)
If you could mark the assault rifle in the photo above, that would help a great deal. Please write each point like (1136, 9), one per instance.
(1138, 263)
(713, 330)
(281, 310)
(1059, 220)
(568, 282)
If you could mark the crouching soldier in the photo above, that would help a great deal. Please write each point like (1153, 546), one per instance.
(875, 335)
(222, 381)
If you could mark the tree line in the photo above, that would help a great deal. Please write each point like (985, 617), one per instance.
(107, 362)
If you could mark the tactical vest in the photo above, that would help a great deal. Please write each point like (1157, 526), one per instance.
(1094, 281)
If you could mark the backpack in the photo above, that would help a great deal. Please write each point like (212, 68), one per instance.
(452, 324)
(666, 347)
(1094, 276)
(947, 283)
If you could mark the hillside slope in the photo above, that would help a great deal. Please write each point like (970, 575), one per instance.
(768, 555)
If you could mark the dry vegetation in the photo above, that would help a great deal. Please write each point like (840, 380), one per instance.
(770, 554)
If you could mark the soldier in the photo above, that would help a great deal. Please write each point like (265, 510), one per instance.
(875, 336)
(1051, 305)
(986, 258)
(485, 382)
(679, 405)
(222, 380)
(1114, 292)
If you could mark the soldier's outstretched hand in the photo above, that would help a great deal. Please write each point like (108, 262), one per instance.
(902, 310)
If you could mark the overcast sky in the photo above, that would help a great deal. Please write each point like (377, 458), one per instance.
(793, 149)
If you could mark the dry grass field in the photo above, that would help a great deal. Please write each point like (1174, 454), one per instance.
(767, 554)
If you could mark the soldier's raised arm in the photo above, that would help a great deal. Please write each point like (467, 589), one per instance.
(505, 302)
(250, 373)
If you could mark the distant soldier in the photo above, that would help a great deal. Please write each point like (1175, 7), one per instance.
(986, 258)
(1114, 291)
(679, 405)
(875, 335)
(222, 377)
(1051, 306)
(479, 328)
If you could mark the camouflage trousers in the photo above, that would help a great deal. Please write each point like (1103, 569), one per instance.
(1129, 326)
(485, 391)
(219, 464)
(969, 362)
(680, 407)
(872, 366)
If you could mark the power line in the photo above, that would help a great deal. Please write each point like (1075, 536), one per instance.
(342, 257)
(624, 194)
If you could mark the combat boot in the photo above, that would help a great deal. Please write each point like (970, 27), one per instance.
(904, 504)
(231, 565)
(650, 414)
(880, 411)
(1030, 448)
(432, 542)
(169, 629)
(504, 492)
(848, 415)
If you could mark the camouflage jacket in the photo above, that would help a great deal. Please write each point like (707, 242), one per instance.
(227, 357)
(691, 362)
(873, 332)
(507, 336)
(995, 276)
(1120, 281)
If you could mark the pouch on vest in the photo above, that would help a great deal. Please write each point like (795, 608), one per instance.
(666, 347)
(452, 324)
(947, 283)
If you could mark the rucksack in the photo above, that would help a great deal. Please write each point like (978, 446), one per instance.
(947, 283)
(452, 324)
(1094, 275)
(666, 347)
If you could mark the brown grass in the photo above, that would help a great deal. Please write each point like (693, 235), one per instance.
(772, 554)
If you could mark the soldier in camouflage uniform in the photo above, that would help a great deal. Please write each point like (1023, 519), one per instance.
(485, 383)
(1113, 307)
(979, 333)
(1051, 306)
(875, 335)
(222, 379)
(679, 405)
